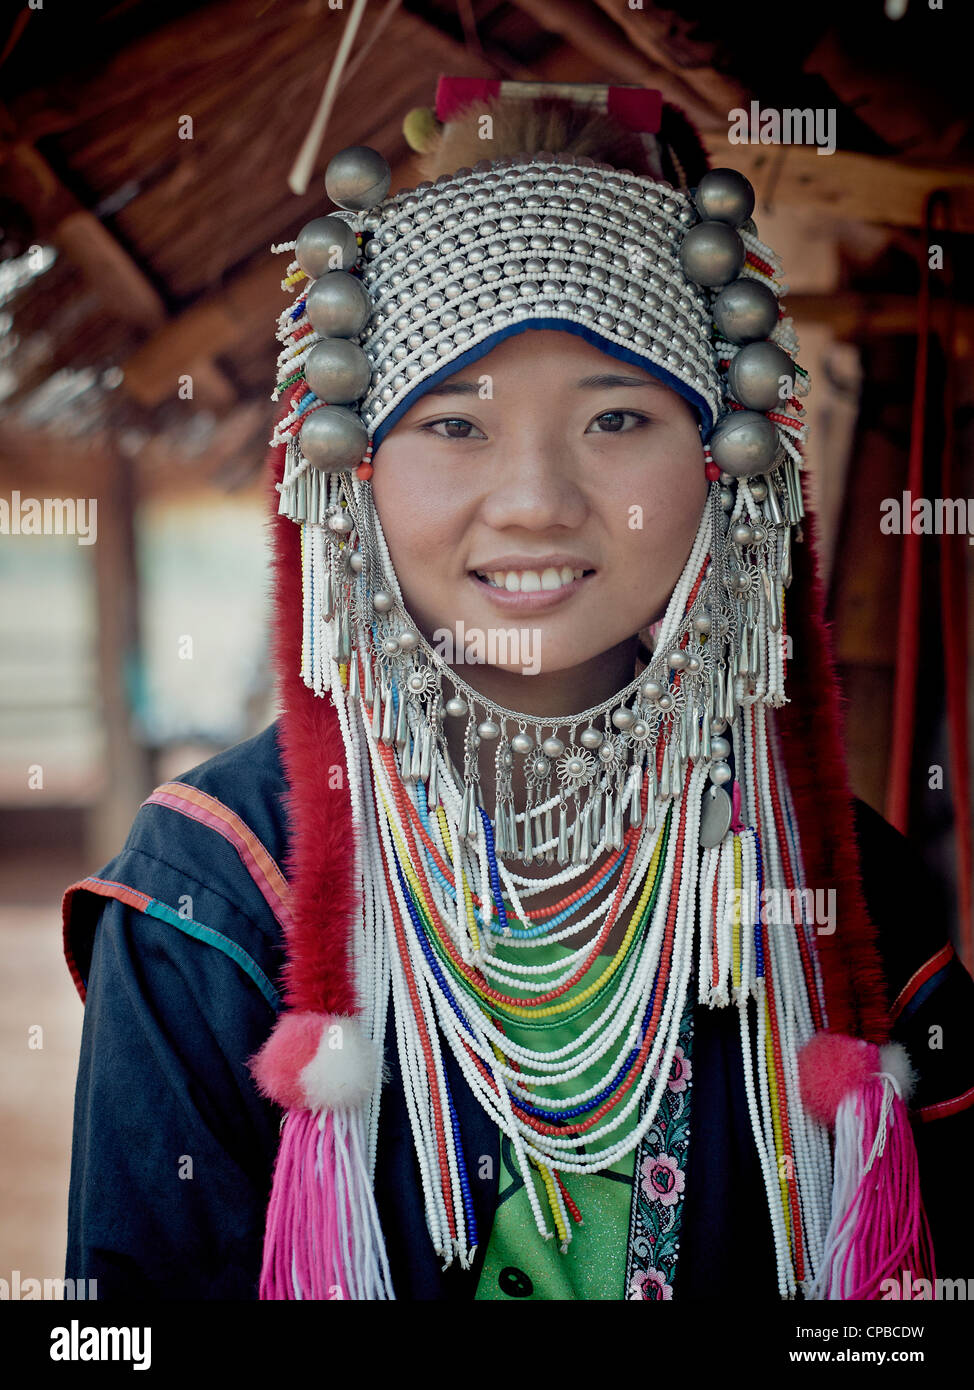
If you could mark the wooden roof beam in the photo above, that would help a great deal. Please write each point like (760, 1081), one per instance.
(842, 185)
(649, 32)
(599, 39)
(125, 291)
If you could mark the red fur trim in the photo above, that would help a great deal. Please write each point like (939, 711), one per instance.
(811, 739)
(321, 857)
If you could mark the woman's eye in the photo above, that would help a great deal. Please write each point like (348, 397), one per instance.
(453, 428)
(613, 421)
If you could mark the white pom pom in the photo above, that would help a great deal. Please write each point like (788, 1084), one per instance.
(342, 1072)
(895, 1059)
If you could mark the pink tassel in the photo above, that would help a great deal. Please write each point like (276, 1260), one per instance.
(888, 1230)
(322, 1239)
(878, 1229)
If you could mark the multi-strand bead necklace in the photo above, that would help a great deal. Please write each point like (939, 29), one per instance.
(437, 902)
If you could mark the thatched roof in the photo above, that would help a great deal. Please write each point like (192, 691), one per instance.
(161, 264)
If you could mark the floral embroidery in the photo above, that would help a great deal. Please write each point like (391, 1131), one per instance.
(657, 1193)
(650, 1284)
(681, 1072)
(662, 1179)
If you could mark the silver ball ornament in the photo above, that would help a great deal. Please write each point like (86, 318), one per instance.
(456, 706)
(591, 738)
(677, 661)
(356, 562)
(488, 729)
(623, 717)
(553, 747)
(357, 178)
(333, 439)
(381, 601)
(651, 691)
(724, 195)
(409, 639)
(742, 534)
(720, 773)
(755, 376)
(338, 305)
(720, 747)
(338, 371)
(523, 743)
(326, 243)
(712, 254)
(743, 443)
(745, 311)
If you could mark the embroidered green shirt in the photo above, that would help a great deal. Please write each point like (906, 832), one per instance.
(520, 1263)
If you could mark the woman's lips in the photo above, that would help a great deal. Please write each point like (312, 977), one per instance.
(533, 602)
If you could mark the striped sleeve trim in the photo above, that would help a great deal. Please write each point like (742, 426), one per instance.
(919, 978)
(152, 907)
(207, 810)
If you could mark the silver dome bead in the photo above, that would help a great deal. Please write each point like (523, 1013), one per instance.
(591, 738)
(553, 747)
(744, 443)
(338, 371)
(623, 717)
(333, 439)
(712, 254)
(724, 195)
(754, 376)
(746, 311)
(326, 243)
(456, 706)
(523, 743)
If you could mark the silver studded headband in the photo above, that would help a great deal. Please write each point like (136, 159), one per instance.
(408, 289)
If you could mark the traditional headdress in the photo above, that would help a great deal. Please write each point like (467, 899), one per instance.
(694, 778)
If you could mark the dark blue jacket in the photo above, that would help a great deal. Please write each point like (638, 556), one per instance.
(174, 1148)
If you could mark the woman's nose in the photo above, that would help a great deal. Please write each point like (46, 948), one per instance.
(535, 485)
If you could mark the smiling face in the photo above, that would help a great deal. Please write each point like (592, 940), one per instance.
(548, 488)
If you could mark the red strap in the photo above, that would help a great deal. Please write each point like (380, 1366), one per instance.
(953, 603)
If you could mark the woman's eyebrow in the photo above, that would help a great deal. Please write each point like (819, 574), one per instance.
(607, 379)
(453, 388)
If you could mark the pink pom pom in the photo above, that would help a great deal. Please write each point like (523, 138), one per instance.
(277, 1067)
(830, 1066)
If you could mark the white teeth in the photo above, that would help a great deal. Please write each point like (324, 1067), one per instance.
(530, 581)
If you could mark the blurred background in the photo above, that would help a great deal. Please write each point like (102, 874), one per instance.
(145, 148)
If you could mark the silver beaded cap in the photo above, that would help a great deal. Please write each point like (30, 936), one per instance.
(451, 265)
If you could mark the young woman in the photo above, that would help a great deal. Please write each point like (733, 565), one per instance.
(537, 950)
